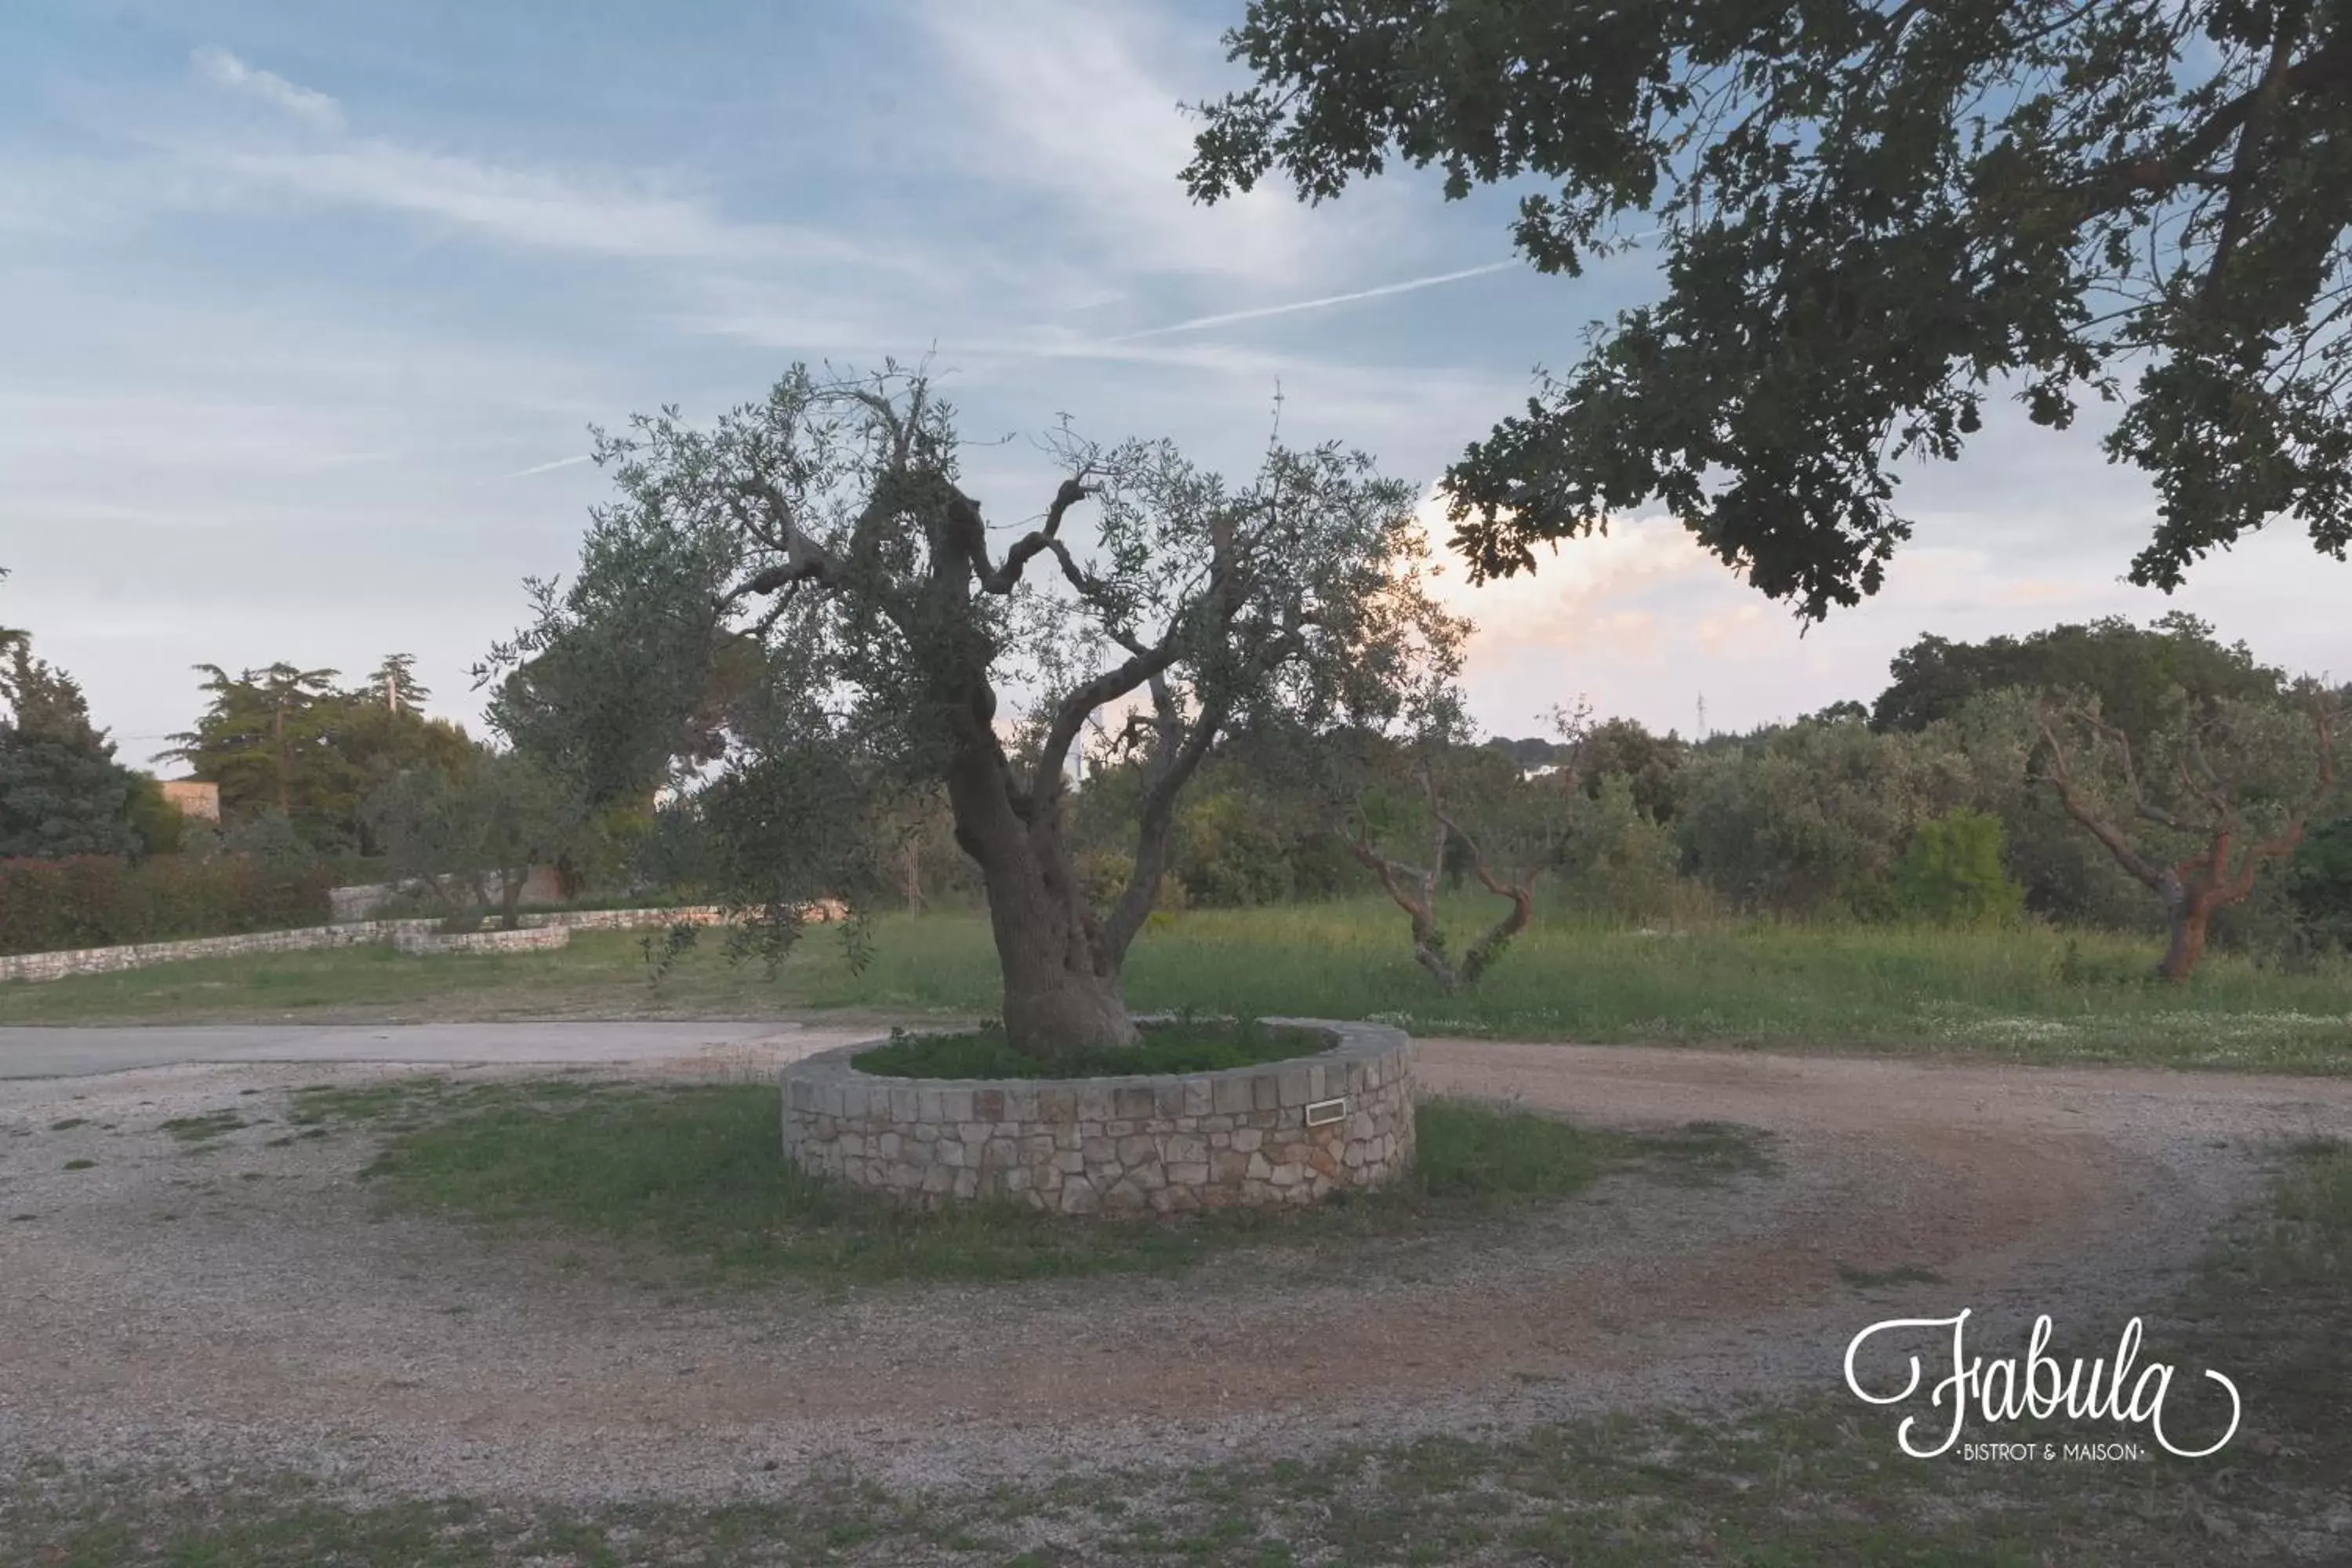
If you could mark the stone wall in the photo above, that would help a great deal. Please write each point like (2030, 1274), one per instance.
(144, 954)
(529, 939)
(1281, 1132)
(360, 900)
(353, 934)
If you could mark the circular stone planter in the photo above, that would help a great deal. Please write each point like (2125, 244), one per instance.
(1278, 1133)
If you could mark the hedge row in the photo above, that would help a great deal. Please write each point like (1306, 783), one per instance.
(94, 900)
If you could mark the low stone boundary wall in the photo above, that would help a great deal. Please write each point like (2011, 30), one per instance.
(142, 955)
(529, 939)
(1280, 1132)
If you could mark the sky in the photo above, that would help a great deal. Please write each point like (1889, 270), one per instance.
(307, 310)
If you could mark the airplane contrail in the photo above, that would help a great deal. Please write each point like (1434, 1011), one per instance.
(543, 468)
(1410, 284)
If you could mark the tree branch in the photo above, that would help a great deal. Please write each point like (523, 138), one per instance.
(1001, 579)
(1521, 892)
(2158, 879)
(2109, 186)
(1428, 941)
(1162, 782)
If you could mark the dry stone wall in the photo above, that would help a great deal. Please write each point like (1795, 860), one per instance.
(353, 934)
(1278, 1133)
(529, 939)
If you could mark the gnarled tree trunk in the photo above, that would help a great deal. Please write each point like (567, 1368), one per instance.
(1062, 983)
(1414, 889)
(2191, 914)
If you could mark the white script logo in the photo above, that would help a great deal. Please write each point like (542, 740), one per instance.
(2003, 1391)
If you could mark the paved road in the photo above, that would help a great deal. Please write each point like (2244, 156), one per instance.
(77, 1052)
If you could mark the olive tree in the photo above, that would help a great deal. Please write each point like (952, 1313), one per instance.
(470, 836)
(901, 642)
(1432, 806)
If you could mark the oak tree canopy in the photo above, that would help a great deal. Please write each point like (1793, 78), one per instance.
(1874, 217)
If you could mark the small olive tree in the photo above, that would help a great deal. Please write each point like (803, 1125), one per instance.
(824, 537)
(470, 836)
(1434, 806)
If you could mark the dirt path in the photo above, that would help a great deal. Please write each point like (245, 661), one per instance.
(248, 1307)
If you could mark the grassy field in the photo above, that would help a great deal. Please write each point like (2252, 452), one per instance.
(1769, 1487)
(2031, 995)
(695, 1175)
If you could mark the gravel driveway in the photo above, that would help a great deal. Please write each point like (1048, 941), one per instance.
(250, 1308)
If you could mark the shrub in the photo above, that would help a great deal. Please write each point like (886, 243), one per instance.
(1616, 859)
(1811, 818)
(1952, 872)
(95, 901)
(2319, 884)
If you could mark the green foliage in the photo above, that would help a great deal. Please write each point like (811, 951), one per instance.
(1182, 1046)
(1993, 740)
(268, 837)
(1615, 859)
(797, 618)
(1651, 766)
(61, 791)
(1953, 873)
(288, 741)
(1227, 854)
(2140, 675)
(101, 901)
(473, 835)
(2319, 883)
(1241, 837)
(1467, 1150)
(1872, 220)
(1810, 818)
(158, 826)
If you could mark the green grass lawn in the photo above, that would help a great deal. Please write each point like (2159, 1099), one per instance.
(1789, 1485)
(2031, 995)
(697, 1174)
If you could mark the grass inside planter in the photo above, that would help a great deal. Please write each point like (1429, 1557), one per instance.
(1181, 1046)
(697, 1174)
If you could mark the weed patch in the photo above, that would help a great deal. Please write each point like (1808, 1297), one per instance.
(196, 1129)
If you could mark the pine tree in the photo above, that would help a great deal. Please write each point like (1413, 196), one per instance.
(61, 791)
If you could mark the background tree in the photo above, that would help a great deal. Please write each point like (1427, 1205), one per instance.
(825, 532)
(472, 834)
(2138, 674)
(1811, 817)
(1602, 750)
(2319, 883)
(1875, 216)
(2212, 800)
(61, 791)
(289, 742)
(160, 827)
(265, 739)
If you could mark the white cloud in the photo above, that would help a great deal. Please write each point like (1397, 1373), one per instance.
(601, 214)
(224, 70)
(1066, 103)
